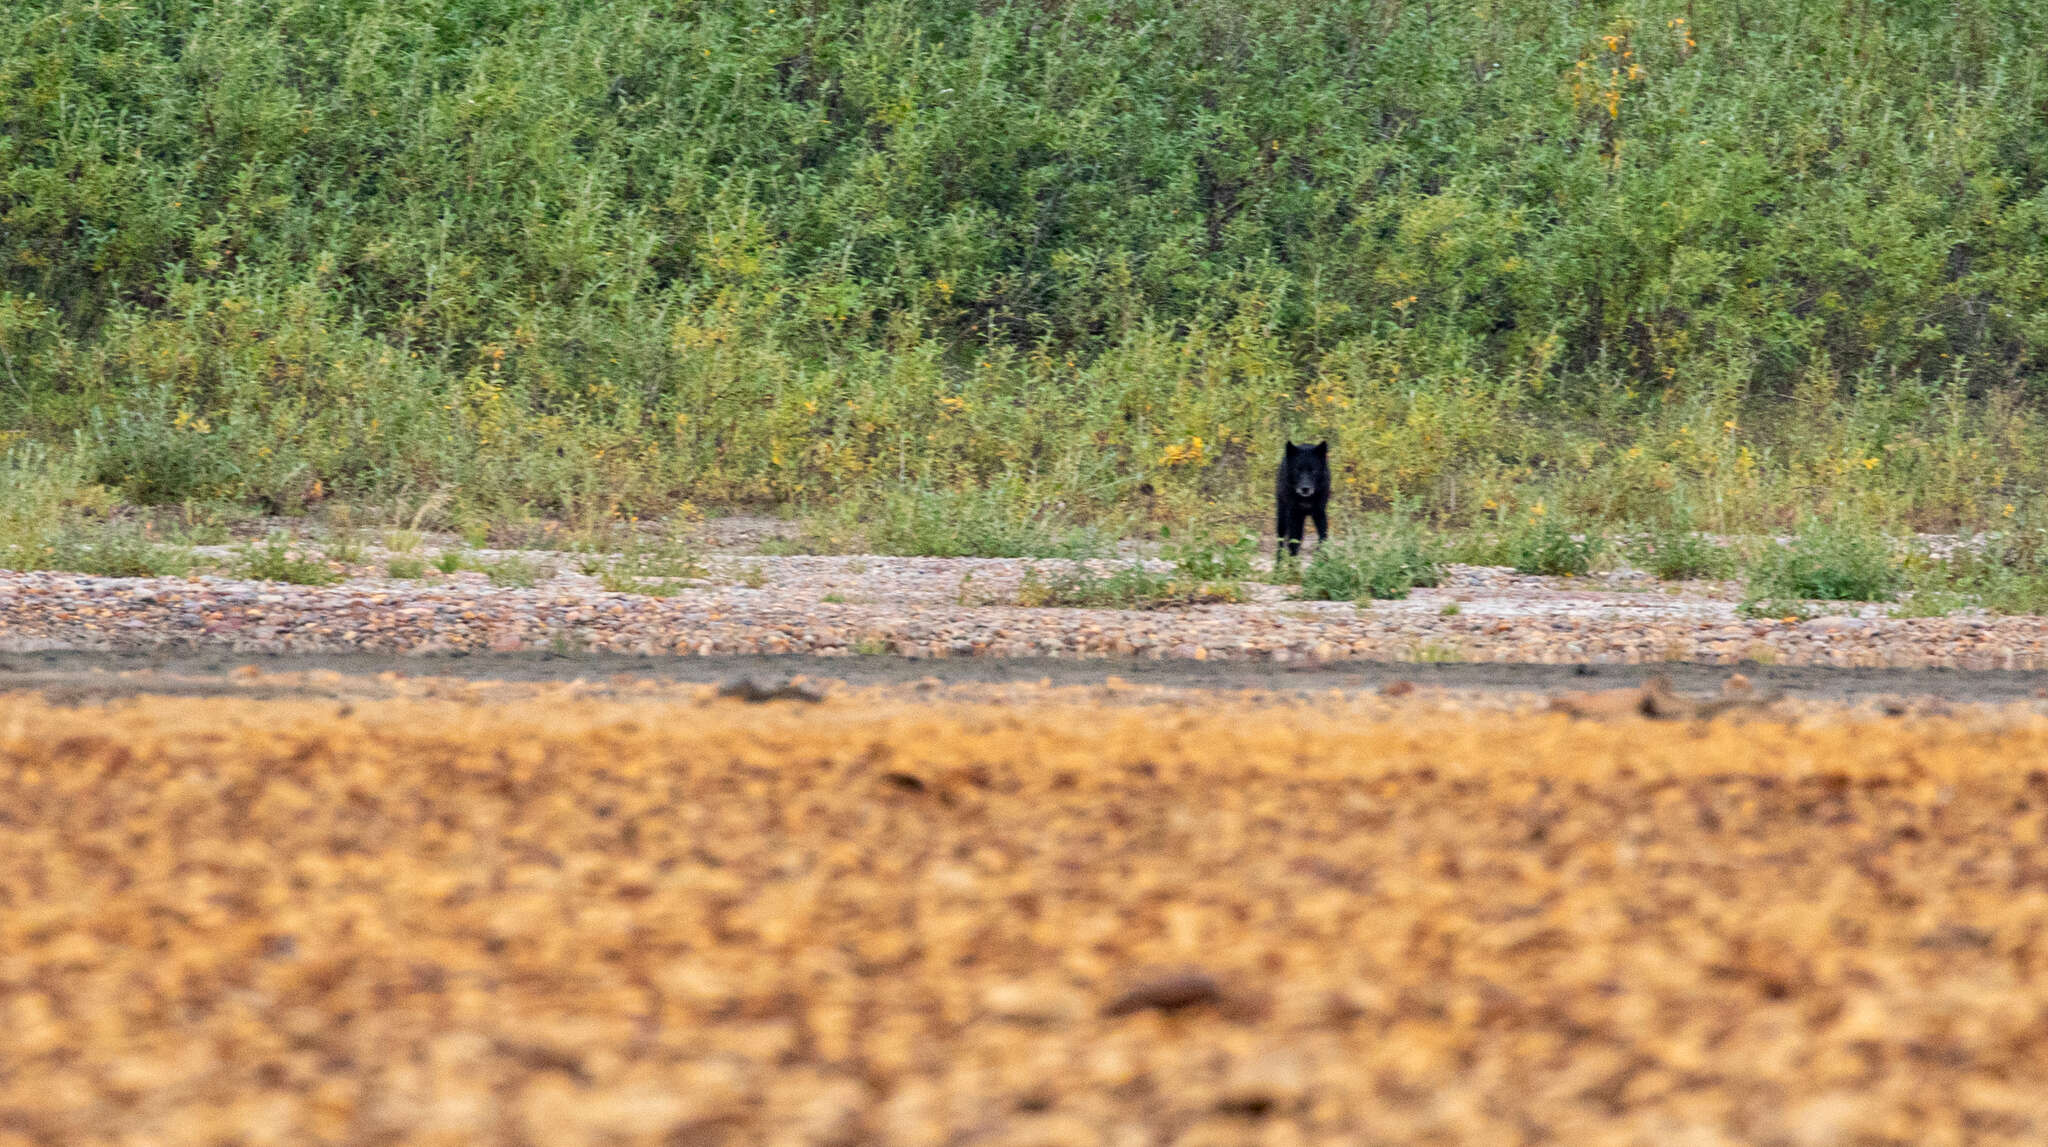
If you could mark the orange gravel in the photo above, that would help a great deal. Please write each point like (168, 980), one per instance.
(886, 920)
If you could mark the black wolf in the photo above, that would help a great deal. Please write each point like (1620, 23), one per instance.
(1302, 493)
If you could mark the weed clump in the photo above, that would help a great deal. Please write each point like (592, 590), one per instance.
(282, 559)
(2000, 573)
(1130, 587)
(515, 572)
(652, 567)
(1553, 546)
(1675, 553)
(996, 521)
(1824, 561)
(1385, 565)
(1211, 558)
(112, 549)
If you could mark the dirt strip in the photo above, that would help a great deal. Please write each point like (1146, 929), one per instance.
(74, 676)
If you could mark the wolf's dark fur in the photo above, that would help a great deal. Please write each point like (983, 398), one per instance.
(1302, 493)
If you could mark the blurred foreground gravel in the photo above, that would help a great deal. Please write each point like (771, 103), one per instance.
(439, 912)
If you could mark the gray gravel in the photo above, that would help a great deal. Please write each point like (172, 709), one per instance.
(936, 608)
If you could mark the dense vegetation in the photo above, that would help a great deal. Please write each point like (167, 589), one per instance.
(1713, 261)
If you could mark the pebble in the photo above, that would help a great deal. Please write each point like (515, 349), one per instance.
(912, 607)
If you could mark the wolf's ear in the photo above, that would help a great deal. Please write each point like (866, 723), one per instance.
(1322, 449)
(1290, 446)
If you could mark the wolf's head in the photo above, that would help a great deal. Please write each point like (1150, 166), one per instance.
(1307, 470)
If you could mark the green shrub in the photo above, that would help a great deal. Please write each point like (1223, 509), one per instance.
(1287, 568)
(1384, 564)
(1552, 545)
(517, 572)
(652, 564)
(654, 568)
(1128, 587)
(40, 492)
(344, 543)
(1539, 542)
(2002, 572)
(2015, 592)
(1826, 561)
(997, 521)
(1212, 557)
(1675, 553)
(408, 568)
(451, 561)
(602, 258)
(202, 526)
(116, 549)
(281, 558)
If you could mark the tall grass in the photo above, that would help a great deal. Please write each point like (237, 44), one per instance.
(590, 259)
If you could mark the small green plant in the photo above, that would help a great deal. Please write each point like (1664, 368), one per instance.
(115, 549)
(673, 554)
(1000, 520)
(1130, 587)
(451, 561)
(342, 541)
(281, 558)
(1776, 608)
(1929, 603)
(407, 568)
(1211, 558)
(2016, 593)
(834, 599)
(1287, 568)
(1383, 564)
(870, 646)
(1435, 653)
(751, 575)
(403, 541)
(205, 534)
(2002, 573)
(196, 524)
(654, 565)
(567, 643)
(1551, 545)
(1826, 561)
(1450, 609)
(345, 546)
(517, 572)
(1680, 554)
